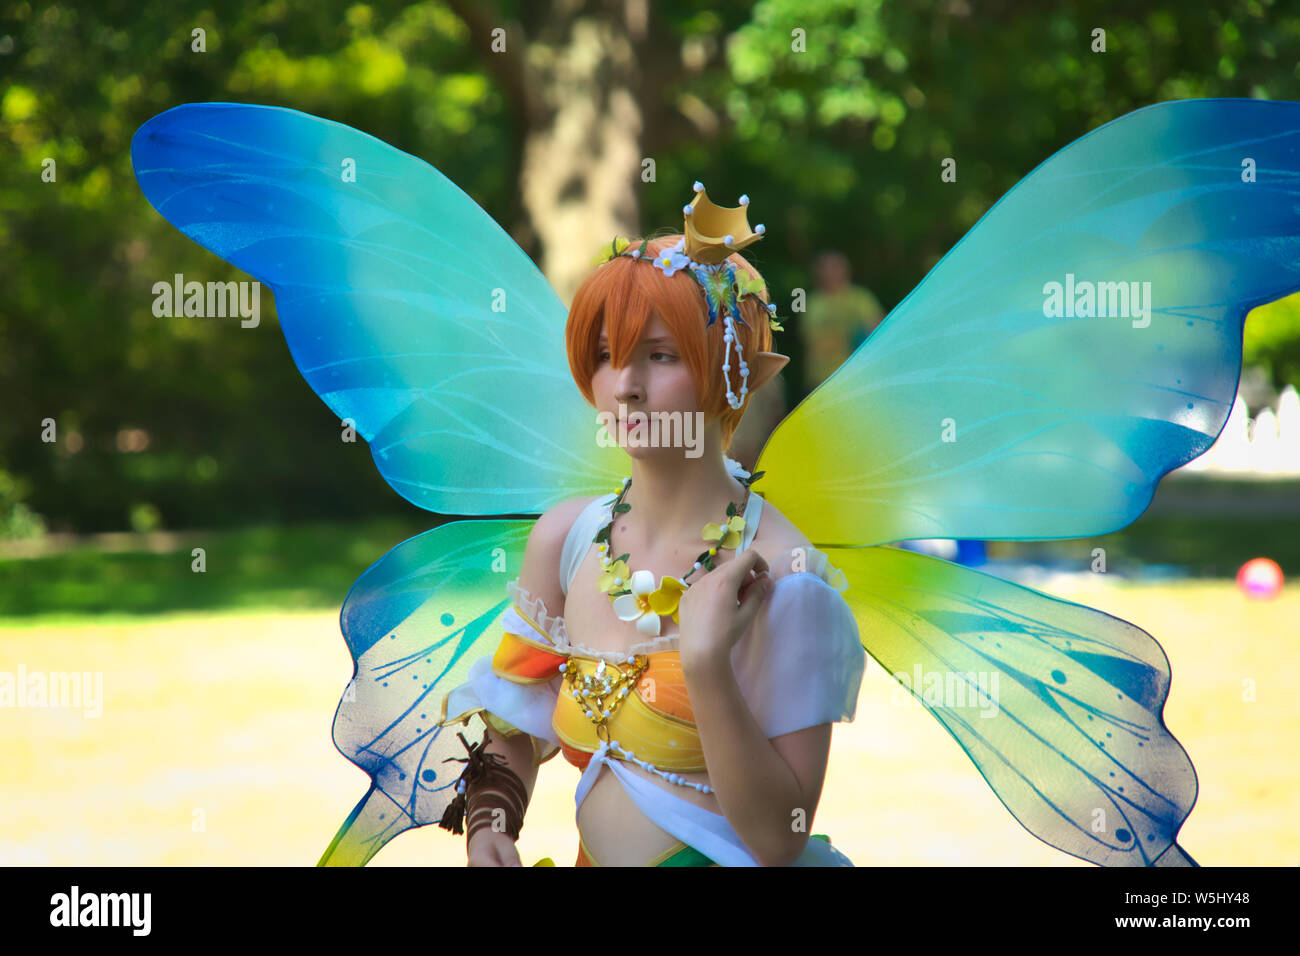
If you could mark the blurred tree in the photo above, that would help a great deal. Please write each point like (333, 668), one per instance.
(17, 521)
(225, 429)
(1272, 340)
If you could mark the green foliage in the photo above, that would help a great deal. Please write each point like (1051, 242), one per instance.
(1272, 339)
(834, 115)
(300, 566)
(17, 520)
(232, 432)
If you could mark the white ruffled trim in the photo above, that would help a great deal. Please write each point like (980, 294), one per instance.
(665, 642)
(553, 628)
(815, 562)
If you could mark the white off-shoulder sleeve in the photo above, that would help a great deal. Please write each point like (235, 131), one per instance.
(801, 664)
(516, 706)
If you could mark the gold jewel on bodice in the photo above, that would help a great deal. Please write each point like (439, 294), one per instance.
(600, 692)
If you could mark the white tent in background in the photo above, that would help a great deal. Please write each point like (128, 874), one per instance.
(1265, 449)
(1288, 430)
(1267, 445)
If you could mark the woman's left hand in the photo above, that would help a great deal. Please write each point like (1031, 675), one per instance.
(718, 608)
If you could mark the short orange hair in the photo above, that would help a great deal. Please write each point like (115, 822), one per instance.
(630, 289)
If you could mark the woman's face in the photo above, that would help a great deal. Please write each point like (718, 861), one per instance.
(654, 382)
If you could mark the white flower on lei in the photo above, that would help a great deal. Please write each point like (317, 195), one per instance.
(646, 602)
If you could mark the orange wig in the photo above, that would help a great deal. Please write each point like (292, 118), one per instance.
(627, 290)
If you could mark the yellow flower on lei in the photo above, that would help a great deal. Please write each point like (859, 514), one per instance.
(736, 524)
(617, 569)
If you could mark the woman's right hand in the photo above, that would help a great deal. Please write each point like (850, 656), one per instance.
(490, 848)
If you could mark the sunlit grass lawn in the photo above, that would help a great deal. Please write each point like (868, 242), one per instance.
(214, 746)
(220, 689)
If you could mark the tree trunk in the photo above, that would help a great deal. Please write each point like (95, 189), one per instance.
(586, 82)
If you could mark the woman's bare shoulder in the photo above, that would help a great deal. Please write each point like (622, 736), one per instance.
(777, 537)
(540, 575)
(562, 517)
(553, 526)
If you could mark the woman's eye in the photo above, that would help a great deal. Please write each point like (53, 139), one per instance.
(663, 355)
(604, 355)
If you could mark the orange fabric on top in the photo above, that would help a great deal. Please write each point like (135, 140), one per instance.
(669, 683)
(523, 660)
(579, 758)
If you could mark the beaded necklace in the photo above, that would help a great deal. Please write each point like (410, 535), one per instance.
(636, 598)
(634, 594)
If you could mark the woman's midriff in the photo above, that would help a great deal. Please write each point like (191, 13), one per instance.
(613, 830)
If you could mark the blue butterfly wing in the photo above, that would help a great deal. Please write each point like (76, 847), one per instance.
(411, 313)
(1060, 706)
(998, 402)
(976, 411)
(414, 623)
(405, 306)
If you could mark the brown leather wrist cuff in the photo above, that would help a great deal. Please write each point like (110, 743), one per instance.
(497, 803)
(486, 786)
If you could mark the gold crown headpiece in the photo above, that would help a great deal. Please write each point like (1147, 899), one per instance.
(711, 234)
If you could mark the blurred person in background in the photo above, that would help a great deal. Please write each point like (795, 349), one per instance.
(840, 316)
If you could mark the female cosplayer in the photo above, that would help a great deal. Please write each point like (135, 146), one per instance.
(747, 690)
(983, 407)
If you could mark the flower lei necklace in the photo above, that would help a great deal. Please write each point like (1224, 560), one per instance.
(634, 595)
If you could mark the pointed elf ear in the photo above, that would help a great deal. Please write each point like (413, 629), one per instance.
(763, 366)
